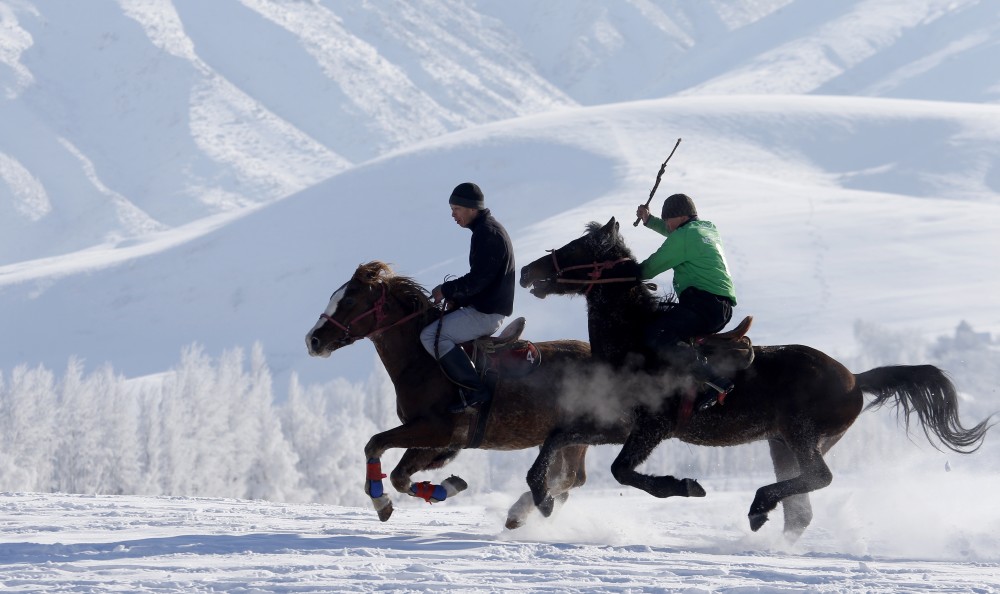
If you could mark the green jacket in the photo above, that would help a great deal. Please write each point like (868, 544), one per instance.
(694, 252)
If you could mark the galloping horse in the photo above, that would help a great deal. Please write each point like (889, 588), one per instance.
(391, 311)
(797, 398)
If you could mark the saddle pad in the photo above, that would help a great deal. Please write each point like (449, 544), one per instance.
(518, 360)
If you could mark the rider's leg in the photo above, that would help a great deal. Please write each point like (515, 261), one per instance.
(460, 370)
(696, 313)
(442, 340)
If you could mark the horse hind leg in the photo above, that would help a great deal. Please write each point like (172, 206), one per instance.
(797, 508)
(813, 474)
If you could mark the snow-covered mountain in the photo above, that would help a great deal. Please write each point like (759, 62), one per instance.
(181, 171)
(124, 118)
(802, 188)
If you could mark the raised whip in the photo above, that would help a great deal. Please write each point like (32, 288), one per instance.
(657, 184)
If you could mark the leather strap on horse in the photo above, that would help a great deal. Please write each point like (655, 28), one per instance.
(594, 277)
(477, 423)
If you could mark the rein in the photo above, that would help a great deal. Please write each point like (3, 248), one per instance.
(378, 310)
(594, 276)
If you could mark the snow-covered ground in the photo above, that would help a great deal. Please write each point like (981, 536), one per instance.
(911, 536)
(184, 172)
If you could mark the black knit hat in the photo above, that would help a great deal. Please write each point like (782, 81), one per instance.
(468, 195)
(678, 205)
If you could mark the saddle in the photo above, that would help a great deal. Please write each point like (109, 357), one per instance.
(730, 350)
(504, 354)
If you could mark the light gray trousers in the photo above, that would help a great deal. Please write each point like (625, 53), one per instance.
(462, 325)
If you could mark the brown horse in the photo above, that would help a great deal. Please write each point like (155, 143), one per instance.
(798, 399)
(391, 310)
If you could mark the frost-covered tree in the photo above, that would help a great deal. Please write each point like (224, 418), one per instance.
(28, 404)
(272, 473)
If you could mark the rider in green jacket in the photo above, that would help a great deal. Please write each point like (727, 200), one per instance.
(702, 284)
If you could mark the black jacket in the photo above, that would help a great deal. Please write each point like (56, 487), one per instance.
(489, 285)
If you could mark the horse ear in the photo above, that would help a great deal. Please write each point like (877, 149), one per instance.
(611, 226)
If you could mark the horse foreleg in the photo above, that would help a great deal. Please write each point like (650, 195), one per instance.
(566, 470)
(814, 474)
(646, 434)
(422, 433)
(517, 515)
(417, 460)
(538, 473)
(375, 489)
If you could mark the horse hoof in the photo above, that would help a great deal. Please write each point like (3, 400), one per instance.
(454, 485)
(383, 506)
(547, 506)
(756, 521)
(513, 523)
(694, 489)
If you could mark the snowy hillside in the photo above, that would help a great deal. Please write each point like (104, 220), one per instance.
(118, 119)
(833, 210)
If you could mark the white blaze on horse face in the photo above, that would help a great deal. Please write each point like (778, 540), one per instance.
(331, 308)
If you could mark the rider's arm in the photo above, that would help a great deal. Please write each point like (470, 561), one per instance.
(671, 253)
(657, 224)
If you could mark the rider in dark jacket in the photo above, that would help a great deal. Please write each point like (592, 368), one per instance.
(483, 297)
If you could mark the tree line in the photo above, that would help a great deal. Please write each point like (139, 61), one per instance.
(213, 427)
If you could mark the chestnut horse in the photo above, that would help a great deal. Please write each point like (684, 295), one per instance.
(391, 310)
(797, 398)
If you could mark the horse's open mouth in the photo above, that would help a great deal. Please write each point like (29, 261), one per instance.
(540, 288)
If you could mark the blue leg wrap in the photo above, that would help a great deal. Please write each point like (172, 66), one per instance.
(439, 493)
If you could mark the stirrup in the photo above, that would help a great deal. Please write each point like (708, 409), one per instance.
(469, 403)
(723, 387)
(707, 400)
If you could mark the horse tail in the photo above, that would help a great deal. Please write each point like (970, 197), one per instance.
(926, 390)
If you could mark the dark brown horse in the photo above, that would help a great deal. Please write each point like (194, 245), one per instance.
(798, 399)
(391, 311)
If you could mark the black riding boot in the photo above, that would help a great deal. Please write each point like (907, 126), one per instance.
(460, 370)
(684, 356)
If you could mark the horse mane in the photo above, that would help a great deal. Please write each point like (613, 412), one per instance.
(607, 246)
(402, 287)
(612, 246)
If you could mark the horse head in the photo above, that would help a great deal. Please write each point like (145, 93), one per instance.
(575, 268)
(374, 300)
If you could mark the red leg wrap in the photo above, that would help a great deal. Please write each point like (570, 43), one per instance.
(375, 471)
(424, 490)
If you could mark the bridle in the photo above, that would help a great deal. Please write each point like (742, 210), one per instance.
(378, 310)
(594, 276)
